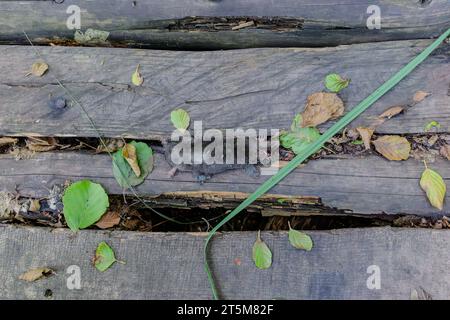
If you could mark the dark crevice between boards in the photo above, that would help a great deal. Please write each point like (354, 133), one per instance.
(195, 215)
(205, 33)
(424, 146)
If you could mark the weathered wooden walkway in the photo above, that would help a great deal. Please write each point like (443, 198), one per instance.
(278, 55)
(170, 265)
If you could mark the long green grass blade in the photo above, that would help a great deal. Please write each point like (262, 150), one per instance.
(313, 148)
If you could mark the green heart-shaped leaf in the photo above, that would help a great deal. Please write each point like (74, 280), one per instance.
(299, 139)
(335, 83)
(84, 204)
(104, 257)
(122, 170)
(299, 239)
(262, 256)
(433, 184)
(180, 119)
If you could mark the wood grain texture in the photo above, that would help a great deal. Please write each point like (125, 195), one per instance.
(370, 185)
(252, 88)
(170, 265)
(197, 25)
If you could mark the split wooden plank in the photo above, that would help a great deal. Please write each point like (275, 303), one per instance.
(212, 24)
(170, 265)
(252, 88)
(369, 185)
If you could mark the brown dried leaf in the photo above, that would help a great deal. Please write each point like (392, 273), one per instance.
(109, 220)
(366, 135)
(445, 151)
(4, 141)
(41, 144)
(129, 153)
(38, 69)
(419, 96)
(321, 107)
(391, 112)
(35, 274)
(393, 147)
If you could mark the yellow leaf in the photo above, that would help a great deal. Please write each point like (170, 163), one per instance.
(129, 153)
(38, 69)
(433, 184)
(394, 148)
(35, 274)
(136, 78)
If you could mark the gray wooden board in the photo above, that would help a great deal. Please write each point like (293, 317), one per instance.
(170, 265)
(369, 185)
(250, 88)
(167, 24)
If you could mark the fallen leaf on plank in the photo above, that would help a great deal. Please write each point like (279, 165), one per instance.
(391, 112)
(38, 69)
(35, 274)
(321, 107)
(136, 78)
(419, 96)
(393, 148)
(433, 184)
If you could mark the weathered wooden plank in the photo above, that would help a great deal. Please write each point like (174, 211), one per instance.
(253, 88)
(197, 24)
(170, 265)
(370, 185)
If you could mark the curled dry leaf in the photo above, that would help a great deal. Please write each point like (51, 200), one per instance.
(109, 220)
(419, 96)
(433, 184)
(129, 153)
(394, 148)
(35, 274)
(366, 135)
(4, 141)
(41, 144)
(445, 151)
(321, 107)
(391, 112)
(38, 69)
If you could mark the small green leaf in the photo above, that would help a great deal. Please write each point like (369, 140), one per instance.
(299, 239)
(432, 124)
(433, 184)
(335, 83)
(124, 173)
(180, 119)
(299, 139)
(297, 122)
(84, 204)
(136, 77)
(104, 257)
(262, 256)
(357, 142)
